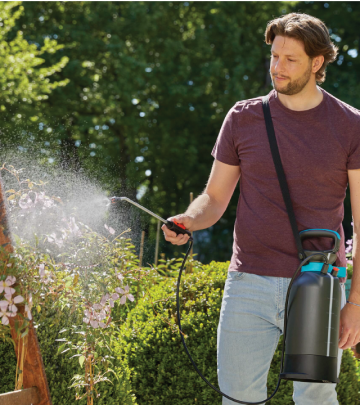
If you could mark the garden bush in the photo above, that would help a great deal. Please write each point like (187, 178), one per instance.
(150, 361)
(161, 373)
(59, 369)
(7, 366)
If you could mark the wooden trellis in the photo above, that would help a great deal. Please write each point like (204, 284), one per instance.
(35, 387)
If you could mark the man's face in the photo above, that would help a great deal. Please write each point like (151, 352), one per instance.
(291, 67)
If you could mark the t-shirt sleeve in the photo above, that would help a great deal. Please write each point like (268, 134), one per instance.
(353, 162)
(224, 149)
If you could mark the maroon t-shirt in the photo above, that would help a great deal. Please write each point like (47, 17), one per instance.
(317, 147)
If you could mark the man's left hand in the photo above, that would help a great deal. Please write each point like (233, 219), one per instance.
(349, 332)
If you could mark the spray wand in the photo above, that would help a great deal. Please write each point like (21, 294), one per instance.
(172, 225)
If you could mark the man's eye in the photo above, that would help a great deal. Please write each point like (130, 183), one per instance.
(291, 60)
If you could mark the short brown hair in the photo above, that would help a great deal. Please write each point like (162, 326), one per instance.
(311, 31)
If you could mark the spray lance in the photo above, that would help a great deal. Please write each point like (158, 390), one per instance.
(312, 312)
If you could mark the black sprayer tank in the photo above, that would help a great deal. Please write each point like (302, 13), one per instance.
(313, 328)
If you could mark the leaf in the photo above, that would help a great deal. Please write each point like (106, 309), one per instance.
(61, 347)
(38, 307)
(25, 333)
(81, 360)
(10, 191)
(11, 197)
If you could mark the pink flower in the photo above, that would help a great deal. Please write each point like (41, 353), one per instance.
(349, 262)
(113, 298)
(95, 318)
(42, 270)
(125, 293)
(111, 230)
(5, 285)
(26, 202)
(28, 307)
(73, 228)
(4, 315)
(10, 302)
(28, 312)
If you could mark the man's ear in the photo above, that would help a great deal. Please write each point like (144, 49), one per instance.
(317, 62)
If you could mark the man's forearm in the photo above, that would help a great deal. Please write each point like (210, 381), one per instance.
(205, 211)
(355, 283)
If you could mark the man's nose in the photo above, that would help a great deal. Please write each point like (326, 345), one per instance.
(278, 65)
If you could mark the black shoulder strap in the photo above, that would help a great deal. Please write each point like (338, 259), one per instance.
(281, 175)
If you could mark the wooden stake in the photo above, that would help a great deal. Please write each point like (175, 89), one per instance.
(27, 348)
(157, 243)
(192, 247)
(141, 248)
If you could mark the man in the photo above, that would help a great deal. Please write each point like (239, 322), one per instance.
(319, 144)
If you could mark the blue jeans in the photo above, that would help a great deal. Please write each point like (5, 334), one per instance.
(251, 322)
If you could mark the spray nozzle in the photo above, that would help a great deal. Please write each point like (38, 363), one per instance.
(113, 200)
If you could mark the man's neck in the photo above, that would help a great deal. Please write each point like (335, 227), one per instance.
(307, 99)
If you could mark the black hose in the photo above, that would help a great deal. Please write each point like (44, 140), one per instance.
(285, 323)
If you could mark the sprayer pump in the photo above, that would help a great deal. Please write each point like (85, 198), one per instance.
(312, 312)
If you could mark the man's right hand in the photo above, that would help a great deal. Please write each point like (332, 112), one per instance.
(171, 236)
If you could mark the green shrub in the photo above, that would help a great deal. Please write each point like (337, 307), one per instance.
(60, 369)
(161, 373)
(285, 391)
(7, 366)
(349, 387)
(150, 360)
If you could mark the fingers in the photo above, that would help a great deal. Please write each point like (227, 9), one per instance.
(345, 340)
(348, 339)
(172, 237)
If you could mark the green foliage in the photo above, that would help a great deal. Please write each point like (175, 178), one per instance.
(20, 78)
(160, 369)
(69, 269)
(285, 391)
(59, 368)
(7, 366)
(349, 387)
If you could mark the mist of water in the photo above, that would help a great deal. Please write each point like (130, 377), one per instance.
(76, 196)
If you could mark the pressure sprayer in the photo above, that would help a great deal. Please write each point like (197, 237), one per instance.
(312, 312)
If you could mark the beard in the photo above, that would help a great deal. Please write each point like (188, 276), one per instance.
(295, 86)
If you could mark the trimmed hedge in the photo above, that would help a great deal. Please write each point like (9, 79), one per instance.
(161, 373)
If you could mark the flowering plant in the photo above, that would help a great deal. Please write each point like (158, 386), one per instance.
(63, 261)
(349, 260)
